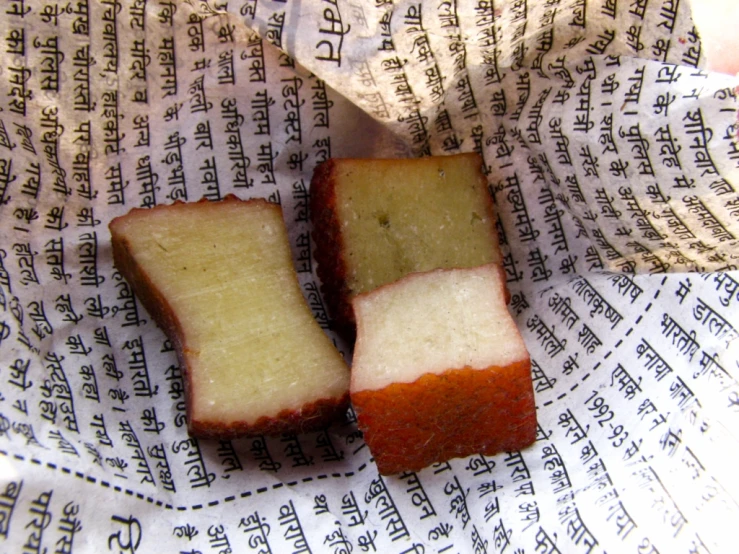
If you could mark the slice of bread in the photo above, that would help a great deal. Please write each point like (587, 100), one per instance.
(375, 221)
(218, 278)
(440, 370)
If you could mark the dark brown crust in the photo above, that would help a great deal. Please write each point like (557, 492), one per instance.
(312, 416)
(329, 252)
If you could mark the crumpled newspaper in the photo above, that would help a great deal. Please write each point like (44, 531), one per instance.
(612, 157)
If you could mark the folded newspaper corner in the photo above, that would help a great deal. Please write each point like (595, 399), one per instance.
(609, 142)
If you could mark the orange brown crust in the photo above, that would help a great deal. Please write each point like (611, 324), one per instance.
(311, 416)
(329, 253)
(409, 426)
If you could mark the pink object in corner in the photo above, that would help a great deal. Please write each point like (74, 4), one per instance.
(717, 22)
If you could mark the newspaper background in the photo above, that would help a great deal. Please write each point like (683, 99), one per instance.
(613, 161)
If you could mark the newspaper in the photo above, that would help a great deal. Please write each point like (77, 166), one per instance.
(613, 160)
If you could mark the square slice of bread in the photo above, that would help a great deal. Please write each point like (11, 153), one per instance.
(375, 221)
(440, 370)
(218, 277)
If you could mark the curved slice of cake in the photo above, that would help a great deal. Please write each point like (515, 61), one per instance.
(375, 221)
(218, 278)
(440, 370)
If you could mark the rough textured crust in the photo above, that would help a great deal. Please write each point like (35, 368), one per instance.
(329, 252)
(330, 249)
(409, 426)
(312, 416)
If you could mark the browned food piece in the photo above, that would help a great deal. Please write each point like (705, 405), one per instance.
(440, 370)
(218, 278)
(375, 221)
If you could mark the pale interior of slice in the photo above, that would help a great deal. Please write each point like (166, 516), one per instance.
(403, 216)
(433, 322)
(251, 343)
